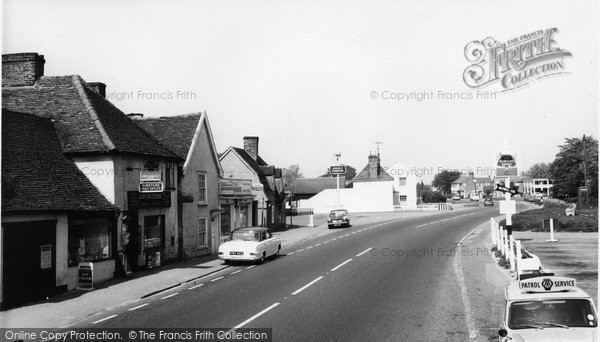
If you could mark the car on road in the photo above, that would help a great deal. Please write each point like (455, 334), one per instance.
(455, 197)
(250, 244)
(338, 218)
(474, 197)
(543, 307)
(488, 201)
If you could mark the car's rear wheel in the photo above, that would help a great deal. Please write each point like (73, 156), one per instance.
(278, 249)
(262, 257)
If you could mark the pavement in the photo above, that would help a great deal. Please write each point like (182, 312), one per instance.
(68, 308)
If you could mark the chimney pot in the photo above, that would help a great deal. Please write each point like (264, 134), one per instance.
(251, 146)
(22, 69)
(98, 87)
(373, 166)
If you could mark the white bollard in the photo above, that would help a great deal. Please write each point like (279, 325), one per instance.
(504, 243)
(518, 255)
(511, 253)
(493, 227)
(498, 236)
(552, 239)
(311, 222)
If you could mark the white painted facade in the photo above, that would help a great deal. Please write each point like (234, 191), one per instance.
(405, 184)
(368, 196)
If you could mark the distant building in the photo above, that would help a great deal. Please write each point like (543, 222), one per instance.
(405, 186)
(533, 186)
(53, 217)
(190, 136)
(305, 188)
(468, 184)
(266, 204)
(373, 191)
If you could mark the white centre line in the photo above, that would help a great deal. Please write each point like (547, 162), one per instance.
(318, 245)
(104, 319)
(309, 247)
(352, 233)
(300, 250)
(305, 286)
(333, 239)
(324, 242)
(137, 307)
(363, 252)
(435, 222)
(219, 278)
(195, 286)
(290, 253)
(422, 225)
(249, 267)
(255, 317)
(234, 272)
(171, 295)
(340, 265)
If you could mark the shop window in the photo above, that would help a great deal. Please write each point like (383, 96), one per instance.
(225, 220)
(403, 198)
(170, 175)
(89, 240)
(402, 181)
(243, 216)
(201, 187)
(154, 228)
(202, 222)
(150, 164)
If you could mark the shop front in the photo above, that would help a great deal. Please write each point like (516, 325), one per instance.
(236, 201)
(147, 244)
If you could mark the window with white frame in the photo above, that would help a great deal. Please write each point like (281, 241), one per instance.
(402, 181)
(403, 198)
(202, 226)
(201, 187)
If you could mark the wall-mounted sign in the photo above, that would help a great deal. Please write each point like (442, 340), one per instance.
(150, 176)
(337, 169)
(137, 200)
(235, 187)
(151, 187)
(45, 257)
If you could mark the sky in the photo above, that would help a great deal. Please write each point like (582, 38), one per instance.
(315, 78)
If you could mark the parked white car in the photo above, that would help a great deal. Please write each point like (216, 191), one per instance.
(250, 244)
(547, 308)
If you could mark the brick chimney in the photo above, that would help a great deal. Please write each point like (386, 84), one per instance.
(251, 146)
(22, 69)
(135, 116)
(373, 165)
(98, 87)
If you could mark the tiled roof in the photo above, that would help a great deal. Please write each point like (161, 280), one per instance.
(258, 169)
(85, 122)
(462, 179)
(363, 176)
(312, 186)
(36, 176)
(175, 132)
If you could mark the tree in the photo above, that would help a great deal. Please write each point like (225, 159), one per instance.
(575, 165)
(290, 174)
(538, 170)
(443, 181)
(350, 173)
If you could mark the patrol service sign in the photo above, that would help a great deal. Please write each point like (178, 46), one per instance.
(547, 284)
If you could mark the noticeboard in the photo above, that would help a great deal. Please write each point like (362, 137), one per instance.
(151, 187)
(45, 257)
(508, 207)
(337, 169)
(137, 200)
(86, 274)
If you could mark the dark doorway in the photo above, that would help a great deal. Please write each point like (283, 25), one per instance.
(29, 267)
(255, 214)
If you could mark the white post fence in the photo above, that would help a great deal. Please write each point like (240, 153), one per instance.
(493, 228)
(552, 239)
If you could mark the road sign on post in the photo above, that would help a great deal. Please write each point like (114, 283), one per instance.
(337, 169)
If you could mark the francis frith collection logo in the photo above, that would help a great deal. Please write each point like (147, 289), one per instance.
(516, 62)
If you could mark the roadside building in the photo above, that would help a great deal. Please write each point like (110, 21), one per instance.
(469, 184)
(405, 186)
(53, 217)
(190, 136)
(372, 191)
(532, 186)
(131, 169)
(266, 206)
(305, 188)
